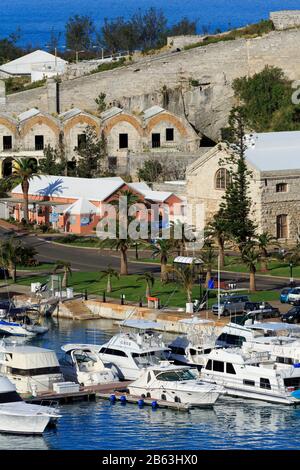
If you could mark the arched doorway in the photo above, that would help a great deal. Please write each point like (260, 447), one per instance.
(7, 167)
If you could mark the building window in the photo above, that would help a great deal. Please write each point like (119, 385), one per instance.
(7, 142)
(170, 135)
(112, 163)
(222, 179)
(39, 142)
(81, 141)
(155, 140)
(282, 226)
(281, 188)
(123, 141)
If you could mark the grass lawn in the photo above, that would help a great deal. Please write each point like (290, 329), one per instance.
(170, 294)
(276, 267)
(40, 267)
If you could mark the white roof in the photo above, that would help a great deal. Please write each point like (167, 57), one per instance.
(95, 189)
(150, 112)
(274, 151)
(187, 260)
(23, 65)
(158, 196)
(28, 114)
(111, 112)
(141, 187)
(81, 206)
(70, 113)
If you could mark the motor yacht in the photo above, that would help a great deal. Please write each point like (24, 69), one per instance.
(131, 352)
(18, 417)
(253, 375)
(21, 326)
(31, 369)
(82, 364)
(175, 384)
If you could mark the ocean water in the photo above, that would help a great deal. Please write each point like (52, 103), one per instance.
(232, 424)
(37, 18)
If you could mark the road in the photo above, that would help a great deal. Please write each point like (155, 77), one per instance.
(92, 260)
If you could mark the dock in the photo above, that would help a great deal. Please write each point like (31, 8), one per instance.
(146, 401)
(85, 394)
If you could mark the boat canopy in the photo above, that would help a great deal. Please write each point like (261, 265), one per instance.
(28, 357)
(142, 324)
(79, 347)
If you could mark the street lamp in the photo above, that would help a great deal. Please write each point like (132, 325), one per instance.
(291, 274)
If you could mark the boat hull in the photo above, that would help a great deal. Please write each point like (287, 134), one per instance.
(22, 418)
(191, 398)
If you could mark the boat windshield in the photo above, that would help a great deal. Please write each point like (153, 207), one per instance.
(150, 358)
(84, 356)
(175, 375)
(10, 397)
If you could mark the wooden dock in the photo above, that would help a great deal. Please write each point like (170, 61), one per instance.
(84, 394)
(146, 401)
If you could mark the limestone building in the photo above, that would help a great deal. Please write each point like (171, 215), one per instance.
(129, 138)
(274, 160)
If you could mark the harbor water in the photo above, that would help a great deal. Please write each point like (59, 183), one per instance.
(232, 424)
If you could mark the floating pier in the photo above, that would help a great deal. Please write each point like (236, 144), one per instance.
(140, 401)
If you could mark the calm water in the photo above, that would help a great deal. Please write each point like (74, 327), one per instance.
(36, 18)
(233, 424)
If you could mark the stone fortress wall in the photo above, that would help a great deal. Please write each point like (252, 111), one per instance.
(285, 19)
(195, 83)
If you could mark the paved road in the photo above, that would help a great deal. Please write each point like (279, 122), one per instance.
(93, 260)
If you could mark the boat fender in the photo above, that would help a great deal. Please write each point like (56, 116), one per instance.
(154, 404)
(141, 403)
(112, 398)
(123, 399)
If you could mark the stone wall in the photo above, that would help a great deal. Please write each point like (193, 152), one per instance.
(166, 80)
(285, 19)
(174, 42)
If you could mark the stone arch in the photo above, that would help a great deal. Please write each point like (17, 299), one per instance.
(39, 120)
(81, 119)
(121, 118)
(176, 122)
(9, 124)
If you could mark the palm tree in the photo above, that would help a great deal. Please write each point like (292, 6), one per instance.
(208, 257)
(264, 240)
(163, 249)
(11, 255)
(217, 229)
(149, 278)
(66, 267)
(186, 277)
(251, 256)
(23, 172)
(109, 273)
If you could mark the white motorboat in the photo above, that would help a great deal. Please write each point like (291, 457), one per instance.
(31, 369)
(82, 364)
(192, 348)
(134, 351)
(253, 375)
(23, 327)
(18, 417)
(175, 384)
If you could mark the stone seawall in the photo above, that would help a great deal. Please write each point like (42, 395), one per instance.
(167, 80)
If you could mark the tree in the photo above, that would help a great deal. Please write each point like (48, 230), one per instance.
(109, 273)
(23, 172)
(264, 240)
(90, 153)
(208, 256)
(120, 243)
(11, 255)
(151, 171)
(149, 278)
(79, 32)
(163, 248)
(67, 270)
(119, 34)
(100, 102)
(218, 230)
(251, 256)
(54, 161)
(183, 27)
(185, 276)
(235, 209)
(152, 28)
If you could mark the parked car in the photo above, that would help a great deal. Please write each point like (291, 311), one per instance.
(231, 304)
(292, 316)
(294, 295)
(261, 310)
(284, 295)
